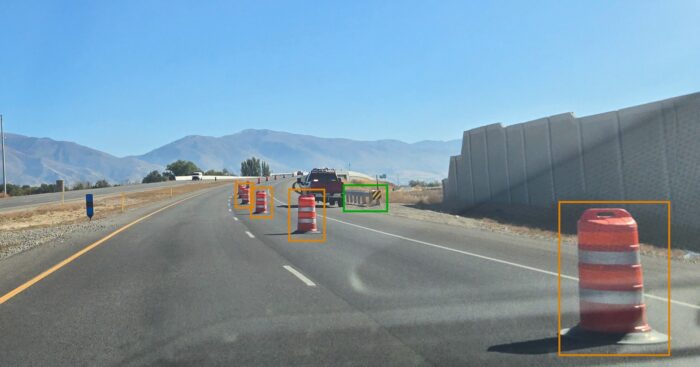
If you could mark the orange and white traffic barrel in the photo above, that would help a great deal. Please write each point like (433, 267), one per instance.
(611, 286)
(258, 179)
(261, 202)
(243, 191)
(240, 190)
(307, 214)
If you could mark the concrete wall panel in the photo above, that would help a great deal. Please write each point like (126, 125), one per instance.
(465, 144)
(459, 180)
(445, 191)
(480, 167)
(454, 185)
(602, 159)
(516, 164)
(644, 152)
(685, 171)
(538, 161)
(465, 181)
(498, 163)
(566, 157)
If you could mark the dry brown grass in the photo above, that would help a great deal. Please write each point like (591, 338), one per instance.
(366, 181)
(3, 195)
(54, 214)
(420, 196)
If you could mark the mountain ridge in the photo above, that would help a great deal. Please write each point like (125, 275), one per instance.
(33, 160)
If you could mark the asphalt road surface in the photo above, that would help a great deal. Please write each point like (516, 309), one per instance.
(201, 283)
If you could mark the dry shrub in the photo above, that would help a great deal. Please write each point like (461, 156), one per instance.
(423, 197)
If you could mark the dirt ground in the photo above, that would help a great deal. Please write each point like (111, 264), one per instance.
(55, 214)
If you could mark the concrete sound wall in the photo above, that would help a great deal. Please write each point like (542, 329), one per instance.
(646, 152)
(517, 171)
(538, 162)
(498, 163)
(478, 156)
(567, 157)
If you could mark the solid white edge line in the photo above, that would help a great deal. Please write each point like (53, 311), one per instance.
(249, 234)
(455, 250)
(299, 275)
(651, 296)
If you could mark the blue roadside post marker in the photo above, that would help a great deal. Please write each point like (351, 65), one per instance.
(88, 206)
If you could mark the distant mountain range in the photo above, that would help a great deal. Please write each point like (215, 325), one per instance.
(32, 161)
(41, 160)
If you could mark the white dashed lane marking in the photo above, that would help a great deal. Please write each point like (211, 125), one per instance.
(299, 275)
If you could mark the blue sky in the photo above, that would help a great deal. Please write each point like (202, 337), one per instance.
(128, 76)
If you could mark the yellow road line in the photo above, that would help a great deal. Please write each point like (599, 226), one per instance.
(65, 262)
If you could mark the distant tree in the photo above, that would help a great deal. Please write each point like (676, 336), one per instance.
(168, 176)
(265, 168)
(212, 172)
(154, 176)
(383, 175)
(251, 167)
(101, 183)
(80, 186)
(14, 190)
(414, 183)
(17, 190)
(182, 168)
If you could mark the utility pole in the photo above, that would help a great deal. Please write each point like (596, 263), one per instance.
(4, 178)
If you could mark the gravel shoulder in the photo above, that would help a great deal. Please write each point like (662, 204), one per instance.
(52, 225)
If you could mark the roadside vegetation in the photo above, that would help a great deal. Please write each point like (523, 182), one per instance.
(17, 190)
(181, 168)
(419, 183)
(417, 196)
(416, 193)
(255, 167)
(177, 168)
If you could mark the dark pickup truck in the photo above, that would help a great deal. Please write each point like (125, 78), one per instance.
(324, 178)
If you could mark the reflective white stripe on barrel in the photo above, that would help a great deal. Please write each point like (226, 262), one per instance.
(306, 220)
(611, 297)
(306, 208)
(608, 257)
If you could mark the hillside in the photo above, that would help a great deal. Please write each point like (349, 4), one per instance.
(31, 161)
(286, 151)
(42, 160)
